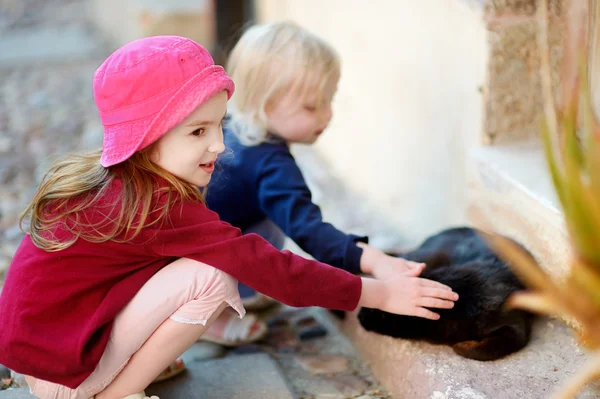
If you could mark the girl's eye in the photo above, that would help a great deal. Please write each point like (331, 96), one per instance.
(198, 132)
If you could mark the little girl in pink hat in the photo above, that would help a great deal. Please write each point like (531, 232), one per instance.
(124, 267)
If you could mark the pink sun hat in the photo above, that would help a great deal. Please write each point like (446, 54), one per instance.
(147, 87)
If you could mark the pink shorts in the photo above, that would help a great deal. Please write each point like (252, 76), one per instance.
(186, 291)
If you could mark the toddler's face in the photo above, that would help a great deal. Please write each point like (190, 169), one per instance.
(190, 149)
(298, 119)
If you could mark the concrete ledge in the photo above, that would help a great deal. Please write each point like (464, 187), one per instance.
(419, 370)
(510, 192)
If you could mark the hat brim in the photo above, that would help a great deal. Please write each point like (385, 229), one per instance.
(182, 103)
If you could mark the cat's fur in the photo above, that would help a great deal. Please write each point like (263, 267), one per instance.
(479, 326)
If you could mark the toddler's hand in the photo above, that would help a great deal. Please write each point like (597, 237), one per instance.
(380, 265)
(390, 267)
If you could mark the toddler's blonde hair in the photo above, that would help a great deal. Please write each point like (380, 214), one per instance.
(270, 60)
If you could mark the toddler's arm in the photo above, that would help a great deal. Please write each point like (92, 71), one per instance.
(285, 198)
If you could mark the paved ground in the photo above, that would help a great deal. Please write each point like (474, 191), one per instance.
(280, 367)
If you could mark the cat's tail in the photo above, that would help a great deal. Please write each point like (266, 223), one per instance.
(501, 342)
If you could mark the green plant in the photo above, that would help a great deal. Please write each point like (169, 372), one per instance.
(571, 135)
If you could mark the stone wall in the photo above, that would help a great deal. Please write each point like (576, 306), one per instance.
(512, 94)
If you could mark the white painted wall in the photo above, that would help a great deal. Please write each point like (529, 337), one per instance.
(408, 107)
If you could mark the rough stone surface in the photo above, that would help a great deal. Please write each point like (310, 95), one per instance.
(520, 7)
(355, 380)
(512, 96)
(323, 364)
(340, 387)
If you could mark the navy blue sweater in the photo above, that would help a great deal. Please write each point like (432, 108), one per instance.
(252, 183)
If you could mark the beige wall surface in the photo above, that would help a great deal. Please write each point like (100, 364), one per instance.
(409, 104)
(126, 20)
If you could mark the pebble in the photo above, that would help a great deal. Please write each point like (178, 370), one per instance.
(323, 364)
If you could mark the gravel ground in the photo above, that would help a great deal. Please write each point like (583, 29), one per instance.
(46, 108)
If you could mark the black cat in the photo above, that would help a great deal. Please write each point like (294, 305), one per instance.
(479, 326)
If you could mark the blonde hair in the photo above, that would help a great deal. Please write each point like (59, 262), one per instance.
(78, 182)
(270, 60)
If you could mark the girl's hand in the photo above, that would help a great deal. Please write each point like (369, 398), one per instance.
(375, 262)
(407, 295)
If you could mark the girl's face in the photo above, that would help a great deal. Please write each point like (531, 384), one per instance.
(298, 119)
(190, 149)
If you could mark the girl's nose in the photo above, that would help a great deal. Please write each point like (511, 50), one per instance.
(217, 146)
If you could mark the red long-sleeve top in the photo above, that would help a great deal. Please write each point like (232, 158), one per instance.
(57, 308)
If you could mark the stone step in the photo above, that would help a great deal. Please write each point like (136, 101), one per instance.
(253, 376)
(411, 369)
(510, 192)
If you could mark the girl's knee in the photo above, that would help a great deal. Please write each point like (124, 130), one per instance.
(202, 279)
(209, 289)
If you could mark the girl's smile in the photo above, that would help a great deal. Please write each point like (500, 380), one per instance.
(208, 167)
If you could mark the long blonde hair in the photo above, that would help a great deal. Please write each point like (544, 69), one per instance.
(270, 60)
(78, 182)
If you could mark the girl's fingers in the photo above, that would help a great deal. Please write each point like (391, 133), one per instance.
(439, 293)
(426, 314)
(435, 303)
(434, 284)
